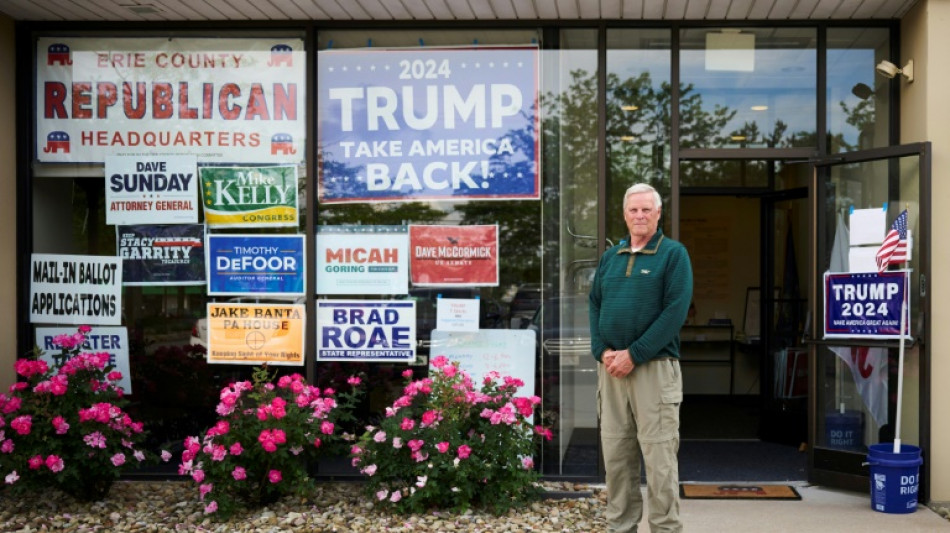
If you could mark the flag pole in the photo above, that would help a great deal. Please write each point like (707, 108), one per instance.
(900, 370)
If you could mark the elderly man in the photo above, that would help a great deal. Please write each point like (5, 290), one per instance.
(638, 302)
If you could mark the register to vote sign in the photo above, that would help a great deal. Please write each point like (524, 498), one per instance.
(112, 340)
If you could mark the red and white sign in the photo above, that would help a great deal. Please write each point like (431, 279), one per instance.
(460, 256)
(234, 100)
(151, 190)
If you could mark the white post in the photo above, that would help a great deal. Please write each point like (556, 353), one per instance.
(900, 370)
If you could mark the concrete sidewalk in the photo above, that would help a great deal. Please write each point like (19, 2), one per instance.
(820, 509)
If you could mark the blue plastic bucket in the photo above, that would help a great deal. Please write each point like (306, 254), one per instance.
(895, 477)
(845, 431)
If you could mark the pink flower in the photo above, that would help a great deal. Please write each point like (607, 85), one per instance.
(449, 371)
(274, 476)
(61, 425)
(83, 328)
(236, 449)
(442, 447)
(527, 463)
(211, 507)
(203, 489)
(198, 475)
(118, 459)
(22, 424)
(354, 380)
(415, 444)
(326, 427)
(114, 376)
(380, 436)
(218, 452)
(317, 442)
(7, 446)
(464, 451)
(430, 418)
(397, 442)
(395, 497)
(239, 473)
(55, 463)
(381, 495)
(13, 477)
(439, 361)
(35, 462)
(407, 424)
(544, 432)
(369, 470)
(166, 456)
(95, 440)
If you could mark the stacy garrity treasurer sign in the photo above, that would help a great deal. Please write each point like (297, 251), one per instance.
(428, 124)
(866, 304)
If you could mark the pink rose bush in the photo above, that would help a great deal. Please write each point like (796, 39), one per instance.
(62, 425)
(449, 444)
(268, 436)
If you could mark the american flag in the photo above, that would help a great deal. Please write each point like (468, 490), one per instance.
(894, 247)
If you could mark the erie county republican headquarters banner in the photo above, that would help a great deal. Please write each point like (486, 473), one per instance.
(428, 124)
(220, 99)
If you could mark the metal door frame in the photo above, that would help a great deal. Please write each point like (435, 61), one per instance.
(821, 463)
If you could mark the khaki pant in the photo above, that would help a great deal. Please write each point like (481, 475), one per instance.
(639, 414)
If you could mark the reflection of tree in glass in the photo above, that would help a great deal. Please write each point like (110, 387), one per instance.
(519, 236)
(862, 117)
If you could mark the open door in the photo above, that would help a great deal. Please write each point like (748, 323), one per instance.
(853, 381)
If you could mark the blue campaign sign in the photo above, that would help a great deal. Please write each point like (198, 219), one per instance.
(428, 124)
(866, 304)
(366, 330)
(272, 265)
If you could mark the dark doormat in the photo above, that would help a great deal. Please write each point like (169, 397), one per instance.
(692, 491)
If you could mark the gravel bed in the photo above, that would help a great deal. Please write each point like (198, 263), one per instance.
(159, 506)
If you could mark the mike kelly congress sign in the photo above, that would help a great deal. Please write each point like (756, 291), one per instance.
(428, 124)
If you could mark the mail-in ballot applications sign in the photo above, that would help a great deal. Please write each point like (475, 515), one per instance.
(151, 190)
(256, 264)
(370, 330)
(112, 340)
(256, 334)
(428, 124)
(76, 289)
(866, 304)
(362, 260)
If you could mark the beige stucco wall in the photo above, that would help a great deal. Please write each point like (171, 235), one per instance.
(925, 111)
(8, 312)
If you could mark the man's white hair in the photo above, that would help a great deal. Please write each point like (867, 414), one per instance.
(640, 188)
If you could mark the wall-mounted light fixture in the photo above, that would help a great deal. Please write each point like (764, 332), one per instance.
(889, 70)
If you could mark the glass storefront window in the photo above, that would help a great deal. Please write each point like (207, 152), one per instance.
(748, 88)
(858, 98)
(230, 101)
(568, 373)
(429, 146)
(639, 96)
(856, 382)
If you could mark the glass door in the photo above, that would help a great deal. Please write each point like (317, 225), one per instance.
(854, 381)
